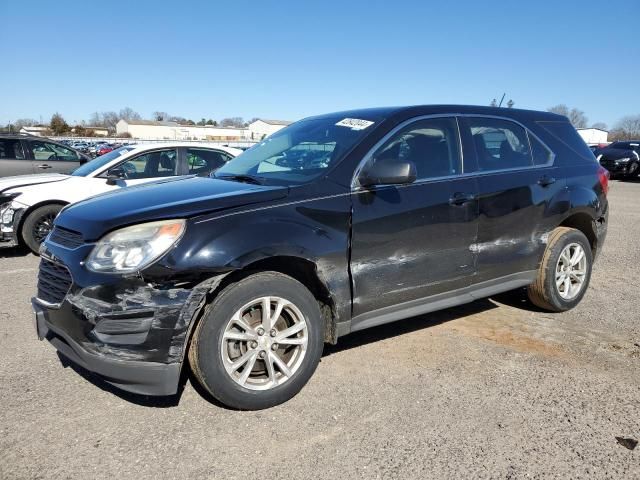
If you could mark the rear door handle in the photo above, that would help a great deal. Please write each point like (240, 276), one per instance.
(460, 198)
(545, 181)
(44, 166)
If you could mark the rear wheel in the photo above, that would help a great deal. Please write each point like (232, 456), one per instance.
(258, 342)
(565, 271)
(38, 224)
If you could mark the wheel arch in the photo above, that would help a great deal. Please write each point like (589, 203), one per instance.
(301, 269)
(585, 223)
(26, 212)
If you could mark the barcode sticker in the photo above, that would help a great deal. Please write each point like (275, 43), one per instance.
(354, 123)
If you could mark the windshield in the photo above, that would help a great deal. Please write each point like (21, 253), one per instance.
(300, 152)
(100, 162)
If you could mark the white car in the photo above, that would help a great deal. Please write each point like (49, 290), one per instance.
(30, 203)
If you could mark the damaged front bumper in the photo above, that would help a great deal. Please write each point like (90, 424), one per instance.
(131, 333)
(141, 377)
(10, 215)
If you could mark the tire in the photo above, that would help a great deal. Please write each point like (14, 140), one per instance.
(550, 291)
(211, 354)
(633, 170)
(38, 224)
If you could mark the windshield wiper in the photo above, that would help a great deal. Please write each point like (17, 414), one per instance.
(240, 178)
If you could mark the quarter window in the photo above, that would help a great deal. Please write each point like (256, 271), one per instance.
(160, 163)
(202, 162)
(431, 144)
(11, 150)
(500, 144)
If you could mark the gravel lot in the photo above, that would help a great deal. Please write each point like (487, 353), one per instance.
(491, 389)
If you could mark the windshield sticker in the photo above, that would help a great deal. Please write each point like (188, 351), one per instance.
(354, 123)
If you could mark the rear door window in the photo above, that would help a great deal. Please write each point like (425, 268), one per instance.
(52, 152)
(499, 144)
(202, 161)
(541, 154)
(11, 149)
(159, 163)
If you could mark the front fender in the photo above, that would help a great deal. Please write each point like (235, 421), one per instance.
(314, 230)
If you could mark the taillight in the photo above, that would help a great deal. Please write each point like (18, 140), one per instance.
(603, 176)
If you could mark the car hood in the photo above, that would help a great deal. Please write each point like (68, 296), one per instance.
(8, 183)
(616, 153)
(174, 198)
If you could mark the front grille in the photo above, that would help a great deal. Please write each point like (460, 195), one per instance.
(54, 281)
(66, 238)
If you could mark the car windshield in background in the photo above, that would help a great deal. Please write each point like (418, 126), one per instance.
(99, 162)
(300, 152)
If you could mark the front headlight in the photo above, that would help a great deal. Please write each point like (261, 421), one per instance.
(623, 160)
(133, 248)
(7, 215)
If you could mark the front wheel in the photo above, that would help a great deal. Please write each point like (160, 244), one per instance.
(565, 271)
(259, 342)
(38, 224)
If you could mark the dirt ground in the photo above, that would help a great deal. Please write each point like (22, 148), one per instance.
(493, 389)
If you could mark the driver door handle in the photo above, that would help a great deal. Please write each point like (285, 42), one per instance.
(43, 166)
(460, 198)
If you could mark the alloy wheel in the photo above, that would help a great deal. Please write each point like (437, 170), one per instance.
(571, 271)
(264, 343)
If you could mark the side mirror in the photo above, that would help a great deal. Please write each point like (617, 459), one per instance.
(388, 171)
(115, 174)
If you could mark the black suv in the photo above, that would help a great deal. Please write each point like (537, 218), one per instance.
(26, 154)
(334, 224)
(622, 159)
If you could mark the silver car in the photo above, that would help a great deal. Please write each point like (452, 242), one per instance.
(27, 154)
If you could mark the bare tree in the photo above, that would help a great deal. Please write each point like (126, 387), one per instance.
(560, 109)
(232, 122)
(577, 117)
(128, 113)
(510, 103)
(494, 103)
(109, 120)
(160, 116)
(23, 122)
(627, 128)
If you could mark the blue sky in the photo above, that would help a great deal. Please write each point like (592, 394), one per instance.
(290, 59)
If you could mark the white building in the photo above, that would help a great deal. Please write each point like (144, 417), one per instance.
(97, 131)
(263, 128)
(37, 131)
(152, 130)
(593, 136)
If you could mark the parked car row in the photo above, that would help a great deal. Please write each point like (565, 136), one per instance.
(29, 204)
(331, 225)
(93, 149)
